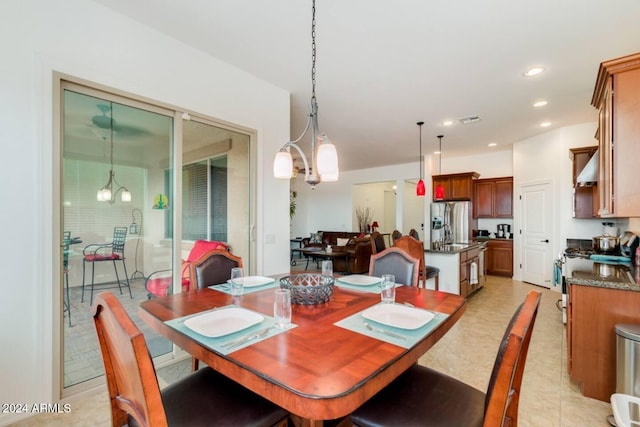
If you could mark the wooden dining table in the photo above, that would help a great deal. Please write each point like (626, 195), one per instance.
(317, 371)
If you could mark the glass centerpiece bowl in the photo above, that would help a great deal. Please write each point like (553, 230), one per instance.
(308, 288)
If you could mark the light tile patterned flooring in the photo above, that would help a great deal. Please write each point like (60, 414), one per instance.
(466, 352)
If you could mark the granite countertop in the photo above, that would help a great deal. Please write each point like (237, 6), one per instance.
(454, 248)
(622, 276)
(485, 239)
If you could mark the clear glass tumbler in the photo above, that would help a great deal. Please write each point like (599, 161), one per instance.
(388, 289)
(282, 308)
(237, 281)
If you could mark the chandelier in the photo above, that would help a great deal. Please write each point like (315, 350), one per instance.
(324, 162)
(111, 189)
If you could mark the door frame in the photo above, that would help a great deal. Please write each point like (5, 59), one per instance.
(57, 312)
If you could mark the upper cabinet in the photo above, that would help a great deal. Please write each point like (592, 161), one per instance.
(617, 98)
(493, 198)
(585, 197)
(457, 186)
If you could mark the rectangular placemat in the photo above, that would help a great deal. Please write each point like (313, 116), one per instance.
(226, 287)
(356, 323)
(216, 344)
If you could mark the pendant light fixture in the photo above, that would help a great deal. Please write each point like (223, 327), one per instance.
(420, 189)
(107, 193)
(324, 163)
(439, 192)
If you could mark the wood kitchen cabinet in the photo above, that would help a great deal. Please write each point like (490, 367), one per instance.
(499, 257)
(467, 258)
(585, 198)
(616, 96)
(592, 313)
(457, 186)
(493, 198)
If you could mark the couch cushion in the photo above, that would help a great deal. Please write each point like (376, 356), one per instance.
(340, 241)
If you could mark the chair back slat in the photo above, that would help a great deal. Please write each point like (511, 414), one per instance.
(395, 261)
(131, 378)
(503, 392)
(119, 239)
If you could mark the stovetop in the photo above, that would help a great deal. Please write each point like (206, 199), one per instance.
(582, 248)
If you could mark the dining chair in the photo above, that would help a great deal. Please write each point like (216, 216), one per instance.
(398, 262)
(159, 282)
(415, 248)
(395, 234)
(425, 397)
(413, 233)
(100, 252)
(213, 267)
(66, 302)
(201, 398)
(377, 242)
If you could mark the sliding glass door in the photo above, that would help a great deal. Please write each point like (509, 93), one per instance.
(118, 181)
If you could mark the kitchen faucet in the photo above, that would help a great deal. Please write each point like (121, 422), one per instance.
(447, 234)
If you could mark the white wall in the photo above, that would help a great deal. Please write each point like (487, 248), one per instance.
(546, 157)
(83, 39)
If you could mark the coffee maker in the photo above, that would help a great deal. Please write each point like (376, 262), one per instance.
(504, 230)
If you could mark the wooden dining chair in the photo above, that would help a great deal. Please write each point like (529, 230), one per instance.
(415, 248)
(213, 267)
(422, 396)
(395, 261)
(202, 398)
(377, 242)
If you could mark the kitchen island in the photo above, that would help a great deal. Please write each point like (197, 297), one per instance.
(599, 297)
(461, 267)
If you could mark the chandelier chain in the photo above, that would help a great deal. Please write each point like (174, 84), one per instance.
(313, 51)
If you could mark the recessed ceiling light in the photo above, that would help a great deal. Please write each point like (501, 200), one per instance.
(540, 103)
(545, 124)
(534, 71)
(447, 123)
(492, 144)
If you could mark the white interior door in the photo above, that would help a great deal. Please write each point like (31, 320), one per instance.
(536, 232)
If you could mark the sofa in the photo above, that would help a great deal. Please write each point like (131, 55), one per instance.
(358, 248)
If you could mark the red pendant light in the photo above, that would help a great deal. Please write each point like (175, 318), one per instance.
(439, 193)
(420, 189)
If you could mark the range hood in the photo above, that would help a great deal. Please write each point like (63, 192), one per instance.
(589, 175)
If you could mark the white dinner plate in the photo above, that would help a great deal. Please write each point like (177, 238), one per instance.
(360, 280)
(223, 321)
(253, 281)
(399, 316)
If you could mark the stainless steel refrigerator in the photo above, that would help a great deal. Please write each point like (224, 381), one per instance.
(452, 222)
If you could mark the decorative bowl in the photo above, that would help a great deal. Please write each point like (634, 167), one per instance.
(308, 288)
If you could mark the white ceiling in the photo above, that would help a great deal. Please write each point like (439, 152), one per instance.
(383, 66)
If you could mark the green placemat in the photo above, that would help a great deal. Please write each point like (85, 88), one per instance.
(374, 288)
(356, 323)
(216, 344)
(226, 287)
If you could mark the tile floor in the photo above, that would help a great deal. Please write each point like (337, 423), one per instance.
(467, 352)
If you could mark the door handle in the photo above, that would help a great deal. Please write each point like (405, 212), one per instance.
(545, 241)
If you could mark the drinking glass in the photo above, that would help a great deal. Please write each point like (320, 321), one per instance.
(327, 268)
(237, 281)
(388, 289)
(282, 308)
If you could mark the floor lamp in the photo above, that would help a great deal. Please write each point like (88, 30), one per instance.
(136, 229)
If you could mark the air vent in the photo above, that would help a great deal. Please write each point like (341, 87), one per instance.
(469, 120)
